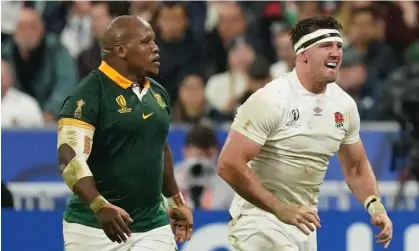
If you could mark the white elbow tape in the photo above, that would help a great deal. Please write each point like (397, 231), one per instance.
(374, 205)
(76, 169)
(78, 138)
(176, 201)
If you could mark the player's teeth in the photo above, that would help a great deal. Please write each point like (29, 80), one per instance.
(332, 64)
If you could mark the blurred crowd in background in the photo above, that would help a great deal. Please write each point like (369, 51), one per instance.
(214, 55)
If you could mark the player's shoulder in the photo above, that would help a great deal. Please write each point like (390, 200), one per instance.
(272, 97)
(91, 81)
(275, 91)
(339, 96)
(156, 86)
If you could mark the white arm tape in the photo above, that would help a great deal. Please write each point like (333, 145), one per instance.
(76, 169)
(79, 139)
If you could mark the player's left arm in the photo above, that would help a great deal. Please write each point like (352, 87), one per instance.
(361, 179)
(180, 214)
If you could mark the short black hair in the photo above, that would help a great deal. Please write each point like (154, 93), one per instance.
(174, 4)
(312, 24)
(375, 13)
(201, 136)
(259, 69)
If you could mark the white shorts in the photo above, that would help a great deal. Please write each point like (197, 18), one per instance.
(261, 233)
(79, 238)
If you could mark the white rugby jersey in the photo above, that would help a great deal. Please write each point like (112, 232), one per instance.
(300, 131)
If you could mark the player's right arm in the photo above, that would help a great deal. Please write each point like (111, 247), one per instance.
(254, 122)
(76, 127)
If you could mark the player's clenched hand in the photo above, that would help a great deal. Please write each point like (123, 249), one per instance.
(299, 216)
(112, 219)
(181, 221)
(382, 221)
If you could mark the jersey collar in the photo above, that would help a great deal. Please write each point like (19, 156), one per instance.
(118, 78)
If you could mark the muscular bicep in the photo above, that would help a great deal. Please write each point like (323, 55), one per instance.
(352, 156)
(239, 146)
(255, 120)
(352, 153)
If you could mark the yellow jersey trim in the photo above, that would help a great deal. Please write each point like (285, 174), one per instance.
(75, 122)
(118, 78)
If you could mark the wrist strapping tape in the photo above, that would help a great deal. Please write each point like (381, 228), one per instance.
(176, 201)
(98, 203)
(373, 205)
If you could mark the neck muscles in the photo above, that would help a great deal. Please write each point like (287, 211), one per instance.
(309, 83)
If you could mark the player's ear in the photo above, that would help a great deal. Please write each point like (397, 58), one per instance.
(302, 57)
(120, 50)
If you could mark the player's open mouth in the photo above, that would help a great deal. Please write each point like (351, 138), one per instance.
(331, 64)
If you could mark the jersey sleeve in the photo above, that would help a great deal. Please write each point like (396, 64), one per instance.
(162, 98)
(352, 133)
(257, 117)
(81, 108)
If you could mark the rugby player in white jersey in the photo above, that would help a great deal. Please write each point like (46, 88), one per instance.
(278, 149)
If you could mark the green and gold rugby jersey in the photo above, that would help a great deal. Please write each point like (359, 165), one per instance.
(126, 158)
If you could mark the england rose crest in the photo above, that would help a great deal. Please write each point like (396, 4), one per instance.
(339, 119)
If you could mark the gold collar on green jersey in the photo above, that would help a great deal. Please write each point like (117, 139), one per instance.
(116, 77)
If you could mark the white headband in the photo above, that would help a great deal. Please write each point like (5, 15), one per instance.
(319, 36)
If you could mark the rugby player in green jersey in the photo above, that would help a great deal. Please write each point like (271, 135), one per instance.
(113, 152)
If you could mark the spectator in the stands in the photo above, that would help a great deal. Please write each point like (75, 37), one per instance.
(307, 9)
(43, 67)
(224, 90)
(10, 11)
(401, 86)
(367, 29)
(352, 73)
(285, 54)
(402, 24)
(144, 9)
(353, 79)
(54, 14)
(77, 33)
(190, 106)
(232, 23)
(366, 38)
(196, 173)
(258, 77)
(18, 109)
(180, 53)
(90, 59)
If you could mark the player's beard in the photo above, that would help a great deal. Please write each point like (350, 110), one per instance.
(330, 76)
(330, 79)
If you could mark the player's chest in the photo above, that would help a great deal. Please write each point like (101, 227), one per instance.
(315, 123)
(127, 111)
